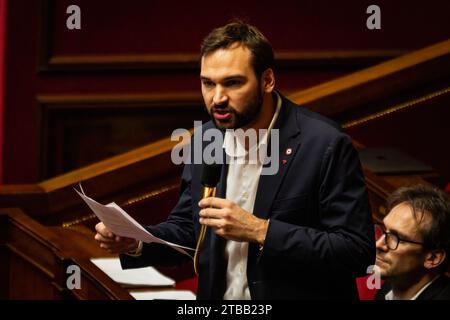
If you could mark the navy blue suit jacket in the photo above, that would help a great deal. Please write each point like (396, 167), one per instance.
(320, 234)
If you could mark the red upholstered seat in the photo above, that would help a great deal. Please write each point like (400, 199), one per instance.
(364, 292)
(188, 284)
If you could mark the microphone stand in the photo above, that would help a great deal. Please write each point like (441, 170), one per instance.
(207, 192)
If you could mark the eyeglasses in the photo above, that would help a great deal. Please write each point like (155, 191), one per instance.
(391, 240)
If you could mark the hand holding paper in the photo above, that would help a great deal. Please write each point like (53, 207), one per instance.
(113, 243)
(122, 224)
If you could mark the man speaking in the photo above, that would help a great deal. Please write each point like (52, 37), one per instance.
(304, 232)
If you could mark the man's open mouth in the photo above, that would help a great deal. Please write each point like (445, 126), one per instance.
(221, 114)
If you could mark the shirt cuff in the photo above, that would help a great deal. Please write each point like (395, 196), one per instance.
(136, 252)
(261, 246)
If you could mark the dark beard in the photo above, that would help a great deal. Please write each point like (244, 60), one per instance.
(239, 119)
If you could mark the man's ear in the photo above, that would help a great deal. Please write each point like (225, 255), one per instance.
(434, 258)
(268, 80)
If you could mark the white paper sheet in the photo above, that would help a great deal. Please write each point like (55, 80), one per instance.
(122, 224)
(163, 295)
(147, 276)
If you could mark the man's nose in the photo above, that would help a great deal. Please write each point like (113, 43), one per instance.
(380, 244)
(220, 96)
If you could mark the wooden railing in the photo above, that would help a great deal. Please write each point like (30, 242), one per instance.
(126, 179)
(399, 77)
(34, 262)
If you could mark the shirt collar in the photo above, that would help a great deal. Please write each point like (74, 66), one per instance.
(232, 145)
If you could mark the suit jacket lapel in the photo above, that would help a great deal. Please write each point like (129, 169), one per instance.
(434, 289)
(269, 184)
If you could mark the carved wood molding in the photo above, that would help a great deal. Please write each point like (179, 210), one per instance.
(49, 62)
(149, 99)
(342, 60)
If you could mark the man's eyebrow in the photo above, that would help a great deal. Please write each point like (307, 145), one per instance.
(399, 234)
(232, 77)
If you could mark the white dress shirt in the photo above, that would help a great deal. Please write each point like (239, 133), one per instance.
(242, 184)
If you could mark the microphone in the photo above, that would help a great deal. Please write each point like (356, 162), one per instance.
(210, 178)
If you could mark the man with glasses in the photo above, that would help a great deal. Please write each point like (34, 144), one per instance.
(413, 246)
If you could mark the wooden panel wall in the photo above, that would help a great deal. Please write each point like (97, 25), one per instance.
(82, 129)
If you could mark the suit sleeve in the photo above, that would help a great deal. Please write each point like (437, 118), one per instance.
(344, 242)
(178, 228)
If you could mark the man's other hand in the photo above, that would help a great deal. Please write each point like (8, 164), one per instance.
(231, 221)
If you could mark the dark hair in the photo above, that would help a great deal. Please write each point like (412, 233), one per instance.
(248, 36)
(427, 200)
